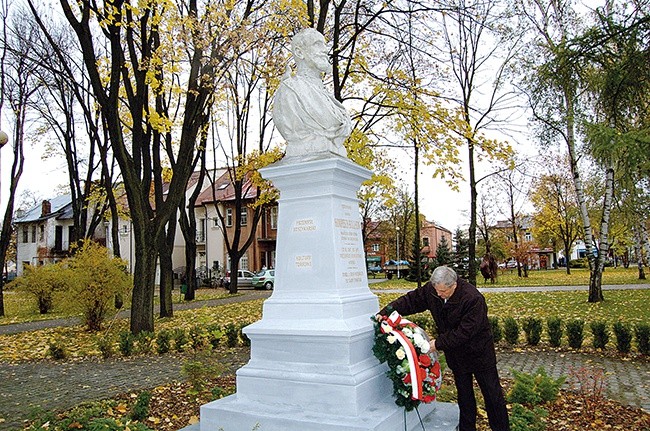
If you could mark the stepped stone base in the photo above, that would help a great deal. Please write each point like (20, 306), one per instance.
(231, 416)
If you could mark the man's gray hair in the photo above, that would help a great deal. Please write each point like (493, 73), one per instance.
(443, 275)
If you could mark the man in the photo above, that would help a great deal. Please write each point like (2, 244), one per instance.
(305, 113)
(465, 336)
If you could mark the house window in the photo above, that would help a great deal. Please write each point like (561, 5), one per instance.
(243, 262)
(58, 238)
(215, 221)
(274, 218)
(244, 216)
(228, 217)
(425, 241)
(33, 233)
(528, 236)
(41, 235)
(375, 248)
(200, 234)
(25, 234)
(125, 229)
(71, 236)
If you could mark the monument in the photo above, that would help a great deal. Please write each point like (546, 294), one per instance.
(311, 365)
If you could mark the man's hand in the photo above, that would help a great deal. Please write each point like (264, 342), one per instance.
(433, 345)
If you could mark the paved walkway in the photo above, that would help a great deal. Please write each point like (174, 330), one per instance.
(51, 386)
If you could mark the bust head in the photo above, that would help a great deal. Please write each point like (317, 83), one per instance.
(310, 51)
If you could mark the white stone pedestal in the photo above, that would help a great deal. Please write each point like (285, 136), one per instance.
(311, 365)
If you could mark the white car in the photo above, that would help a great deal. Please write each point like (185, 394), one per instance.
(244, 278)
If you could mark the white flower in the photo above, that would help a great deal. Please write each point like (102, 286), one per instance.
(421, 343)
(407, 332)
(391, 339)
(400, 353)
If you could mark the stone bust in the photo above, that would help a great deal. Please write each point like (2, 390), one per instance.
(306, 114)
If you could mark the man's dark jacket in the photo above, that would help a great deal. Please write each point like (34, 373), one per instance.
(464, 331)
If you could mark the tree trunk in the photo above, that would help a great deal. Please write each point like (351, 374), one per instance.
(144, 278)
(234, 268)
(638, 251)
(567, 254)
(16, 173)
(595, 281)
(165, 252)
(471, 277)
(595, 275)
(417, 242)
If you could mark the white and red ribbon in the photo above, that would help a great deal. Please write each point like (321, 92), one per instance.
(393, 325)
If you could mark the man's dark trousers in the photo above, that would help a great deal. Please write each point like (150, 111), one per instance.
(495, 404)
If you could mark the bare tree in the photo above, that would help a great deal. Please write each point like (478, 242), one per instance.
(479, 50)
(18, 86)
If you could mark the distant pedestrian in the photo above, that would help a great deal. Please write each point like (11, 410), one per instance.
(465, 336)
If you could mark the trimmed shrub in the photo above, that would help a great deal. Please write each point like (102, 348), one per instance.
(511, 330)
(126, 343)
(140, 409)
(575, 334)
(533, 329)
(245, 341)
(600, 333)
(144, 342)
(163, 341)
(497, 333)
(214, 335)
(199, 370)
(623, 333)
(105, 346)
(555, 329)
(642, 335)
(198, 338)
(579, 263)
(532, 389)
(232, 335)
(523, 419)
(57, 351)
(180, 339)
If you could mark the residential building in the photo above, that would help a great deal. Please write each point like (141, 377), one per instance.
(538, 257)
(212, 249)
(380, 247)
(44, 233)
(431, 235)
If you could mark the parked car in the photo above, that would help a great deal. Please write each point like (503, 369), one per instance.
(510, 264)
(264, 279)
(244, 278)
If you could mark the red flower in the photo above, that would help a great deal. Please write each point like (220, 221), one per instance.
(407, 379)
(428, 398)
(425, 360)
(435, 370)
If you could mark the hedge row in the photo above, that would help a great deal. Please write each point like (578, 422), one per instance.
(558, 331)
(197, 338)
(509, 329)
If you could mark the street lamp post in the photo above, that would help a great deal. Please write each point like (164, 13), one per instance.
(397, 248)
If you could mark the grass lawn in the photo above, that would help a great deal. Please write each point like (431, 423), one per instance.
(551, 277)
(631, 306)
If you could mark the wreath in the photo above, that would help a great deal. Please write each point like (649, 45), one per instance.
(412, 366)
